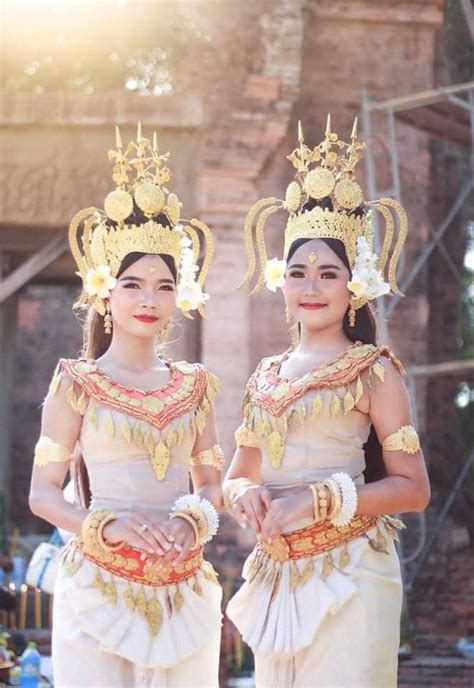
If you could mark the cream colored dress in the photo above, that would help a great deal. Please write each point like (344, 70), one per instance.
(330, 620)
(108, 631)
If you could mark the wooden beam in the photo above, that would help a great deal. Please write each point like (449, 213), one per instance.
(436, 123)
(445, 368)
(31, 267)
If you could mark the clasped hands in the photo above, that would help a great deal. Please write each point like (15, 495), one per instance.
(163, 543)
(266, 516)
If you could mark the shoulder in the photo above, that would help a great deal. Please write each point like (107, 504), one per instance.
(267, 363)
(200, 374)
(377, 358)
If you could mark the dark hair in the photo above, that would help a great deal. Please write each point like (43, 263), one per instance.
(364, 330)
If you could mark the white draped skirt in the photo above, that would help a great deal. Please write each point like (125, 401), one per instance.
(339, 631)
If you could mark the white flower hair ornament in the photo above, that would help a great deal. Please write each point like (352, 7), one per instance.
(98, 284)
(275, 274)
(367, 281)
(189, 292)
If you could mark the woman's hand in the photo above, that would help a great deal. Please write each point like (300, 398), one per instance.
(252, 506)
(182, 534)
(131, 529)
(286, 510)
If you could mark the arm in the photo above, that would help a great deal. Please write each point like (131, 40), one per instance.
(406, 487)
(61, 424)
(251, 501)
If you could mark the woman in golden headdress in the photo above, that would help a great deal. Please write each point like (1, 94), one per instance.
(135, 603)
(327, 447)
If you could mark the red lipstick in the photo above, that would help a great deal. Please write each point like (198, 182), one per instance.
(146, 318)
(313, 306)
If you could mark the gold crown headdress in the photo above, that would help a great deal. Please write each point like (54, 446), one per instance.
(100, 240)
(328, 171)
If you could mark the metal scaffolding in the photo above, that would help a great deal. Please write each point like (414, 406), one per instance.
(446, 113)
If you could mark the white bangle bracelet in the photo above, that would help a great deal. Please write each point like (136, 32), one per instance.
(349, 499)
(192, 502)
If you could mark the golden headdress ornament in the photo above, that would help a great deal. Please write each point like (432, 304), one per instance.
(328, 172)
(100, 239)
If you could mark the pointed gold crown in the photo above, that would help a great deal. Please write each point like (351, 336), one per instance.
(326, 171)
(106, 237)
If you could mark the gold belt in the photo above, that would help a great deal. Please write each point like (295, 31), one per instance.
(126, 563)
(314, 539)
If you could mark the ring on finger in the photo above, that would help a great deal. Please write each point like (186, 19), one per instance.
(142, 529)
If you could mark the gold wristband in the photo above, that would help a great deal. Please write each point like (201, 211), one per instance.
(336, 501)
(100, 535)
(233, 488)
(189, 519)
(405, 439)
(322, 501)
(94, 522)
(314, 492)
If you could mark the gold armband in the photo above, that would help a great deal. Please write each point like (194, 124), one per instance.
(405, 440)
(92, 532)
(233, 488)
(244, 437)
(49, 451)
(213, 457)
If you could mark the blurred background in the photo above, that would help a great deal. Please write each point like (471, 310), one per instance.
(224, 82)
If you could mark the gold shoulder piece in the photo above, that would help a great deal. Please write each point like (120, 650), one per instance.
(405, 439)
(48, 451)
(244, 437)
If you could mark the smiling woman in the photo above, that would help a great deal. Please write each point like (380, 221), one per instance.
(322, 453)
(133, 577)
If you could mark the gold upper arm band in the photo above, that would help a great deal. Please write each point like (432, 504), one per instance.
(405, 440)
(244, 437)
(209, 457)
(49, 451)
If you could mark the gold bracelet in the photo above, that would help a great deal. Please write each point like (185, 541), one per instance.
(100, 535)
(336, 501)
(314, 492)
(94, 521)
(233, 488)
(189, 519)
(322, 501)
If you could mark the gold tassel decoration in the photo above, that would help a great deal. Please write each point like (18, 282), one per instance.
(149, 443)
(197, 588)
(111, 591)
(178, 599)
(348, 402)
(294, 576)
(160, 460)
(275, 448)
(82, 404)
(169, 605)
(307, 572)
(154, 615)
(129, 598)
(140, 601)
(317, 405)
(71, 567)
(109, 425)
(276, 586)
(55, 382)
(92, 416)
(359, 389)
(335, 405)
(98, 582)
(327, 566)
(71, 397)
(345, 557)
(379, 370)
(137, 435)
(171, 438)
(126, 430)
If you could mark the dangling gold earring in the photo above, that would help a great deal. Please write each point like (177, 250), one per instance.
(352, 316)
(107, 319)
(165, 332)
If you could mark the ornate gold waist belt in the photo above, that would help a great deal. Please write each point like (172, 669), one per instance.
(126, 563)
(314, 539)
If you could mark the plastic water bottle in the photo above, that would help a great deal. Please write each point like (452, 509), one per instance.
(30, 667)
